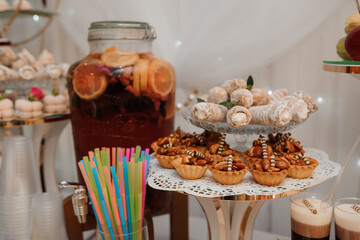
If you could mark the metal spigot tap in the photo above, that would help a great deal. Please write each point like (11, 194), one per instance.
(79, 200)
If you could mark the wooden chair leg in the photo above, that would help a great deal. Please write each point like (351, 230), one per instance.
(150, 223)
(179, 217)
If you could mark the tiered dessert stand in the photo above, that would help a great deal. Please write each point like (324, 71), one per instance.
(46, 129)
(231, 210)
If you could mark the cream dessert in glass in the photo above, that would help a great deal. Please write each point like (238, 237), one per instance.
(347, 218)
(310, 216)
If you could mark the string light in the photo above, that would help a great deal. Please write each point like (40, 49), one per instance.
(36, 18)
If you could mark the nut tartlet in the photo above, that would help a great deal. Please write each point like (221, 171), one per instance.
(166, 156)
(268, 175)
(177, 138)
(257, 152)
(193, 166)
(284, 145)
(301, 167)
(229, 173)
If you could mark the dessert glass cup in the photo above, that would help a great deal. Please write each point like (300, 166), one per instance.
(310, 222)
(347, 218)
(140, 234)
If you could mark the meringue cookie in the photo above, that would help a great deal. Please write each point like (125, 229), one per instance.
(18, 64)
(7, 54)
(7, 73)
(46, 57)
(53, 71)
(27, 72)
(27, 56)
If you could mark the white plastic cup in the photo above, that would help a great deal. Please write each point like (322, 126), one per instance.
(19, 182)
(48, 217)
(19, 175)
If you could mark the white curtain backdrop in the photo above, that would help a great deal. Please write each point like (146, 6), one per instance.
(282, 43)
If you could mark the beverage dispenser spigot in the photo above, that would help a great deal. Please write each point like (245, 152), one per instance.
(79, 200)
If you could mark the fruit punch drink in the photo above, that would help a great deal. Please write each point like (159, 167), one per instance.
(120, 94)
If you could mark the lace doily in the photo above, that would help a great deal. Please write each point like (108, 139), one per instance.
(224, 127)
(168, 180)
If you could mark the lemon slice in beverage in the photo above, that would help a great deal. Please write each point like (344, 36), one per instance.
(119, 58)
(141, 74)
(161, 77)
(88, 81)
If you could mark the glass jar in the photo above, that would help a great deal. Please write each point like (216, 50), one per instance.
(121, 95)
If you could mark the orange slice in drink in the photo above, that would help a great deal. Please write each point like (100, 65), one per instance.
(161, 77)
(141, 74)
(110, 49)
(119, 58)
(88, 81)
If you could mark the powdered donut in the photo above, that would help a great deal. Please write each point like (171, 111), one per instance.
(217, 95)
(238, 117)
(242, 97)
(209, 112)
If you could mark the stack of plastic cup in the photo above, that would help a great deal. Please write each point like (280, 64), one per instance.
(19, 182)
(48, 217)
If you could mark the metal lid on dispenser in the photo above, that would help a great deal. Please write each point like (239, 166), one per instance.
(121, 30)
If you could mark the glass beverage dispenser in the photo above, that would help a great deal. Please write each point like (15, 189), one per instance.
(121, 95)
